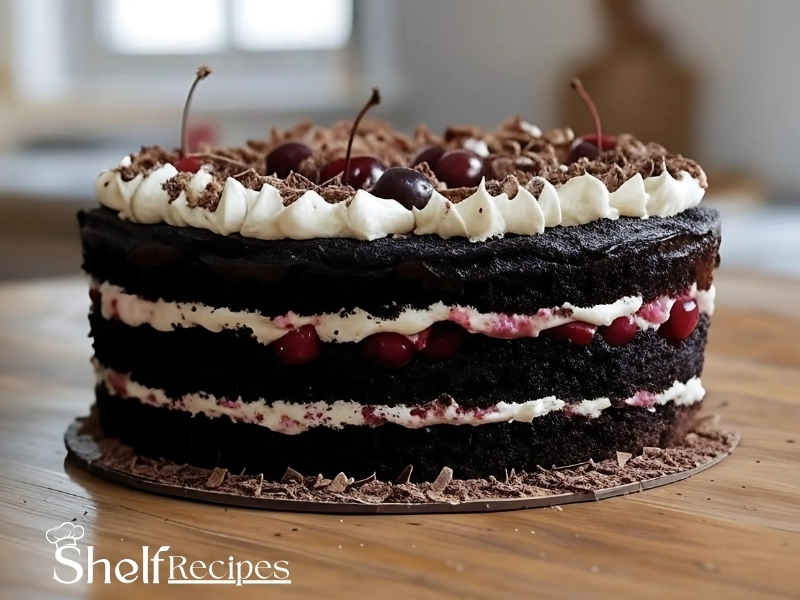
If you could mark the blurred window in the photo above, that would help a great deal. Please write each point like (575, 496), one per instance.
(279, 55)
(211, 26)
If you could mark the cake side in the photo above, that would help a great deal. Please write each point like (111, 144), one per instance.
(596, 263)
(483, 372)
(499, 361)
(472, 452)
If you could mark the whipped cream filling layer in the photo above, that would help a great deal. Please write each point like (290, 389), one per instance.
(261, 213)
(291, 419)
(357, 324)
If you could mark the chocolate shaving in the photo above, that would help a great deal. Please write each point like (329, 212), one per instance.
(216, 478)
(559, 137)
(456, 195)
(339, 483)
(699, 447)
(176, 185)
(250, 179)
(460, 132)
(443, 480)
(321, 482)
(292, 476)
(360, 482)
(405, 476)
(565, 467)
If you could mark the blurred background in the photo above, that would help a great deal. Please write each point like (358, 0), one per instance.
(84, 82)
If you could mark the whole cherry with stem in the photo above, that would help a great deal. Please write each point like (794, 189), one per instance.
(357, 171)
(186, 163)
(589, 146)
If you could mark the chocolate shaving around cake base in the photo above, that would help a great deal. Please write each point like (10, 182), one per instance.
(701, 446)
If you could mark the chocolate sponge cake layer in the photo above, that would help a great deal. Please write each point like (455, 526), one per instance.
(483, 372)
(471, 451)
(595, 263)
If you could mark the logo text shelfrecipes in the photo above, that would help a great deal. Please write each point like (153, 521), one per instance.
(152, 568)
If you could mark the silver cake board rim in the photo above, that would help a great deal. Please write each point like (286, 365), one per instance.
(85, 453)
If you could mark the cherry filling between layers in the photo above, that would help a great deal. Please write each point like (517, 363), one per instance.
(294, 418)
(435, 332)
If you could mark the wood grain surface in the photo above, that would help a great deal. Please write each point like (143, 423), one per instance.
(730, 532)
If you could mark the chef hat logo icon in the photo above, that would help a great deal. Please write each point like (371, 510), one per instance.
(65, 534)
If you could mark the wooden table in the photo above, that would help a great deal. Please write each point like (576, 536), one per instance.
(730, 532)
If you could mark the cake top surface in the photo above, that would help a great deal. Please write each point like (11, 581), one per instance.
(466, 182)
(513, 154)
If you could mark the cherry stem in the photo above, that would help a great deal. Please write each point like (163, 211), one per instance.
(374, 100)
(202, 73)
(578, 87)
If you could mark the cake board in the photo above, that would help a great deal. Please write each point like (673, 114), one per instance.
(109, 459)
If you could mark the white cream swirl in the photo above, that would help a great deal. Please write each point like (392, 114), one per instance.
(481, 216)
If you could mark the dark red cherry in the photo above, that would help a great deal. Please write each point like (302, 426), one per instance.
(444, 339)
(285, 158)
(390, 350)
(609, 141)
(682, 320)
(586, 147)
(582, 150)
(188, 164)
(299, 346)
(621, 331)
(459, 168)
(365, 171)
(428, 154)
(576, 331)
(407, 186)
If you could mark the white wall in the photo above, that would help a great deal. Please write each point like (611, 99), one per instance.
(482, 60)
